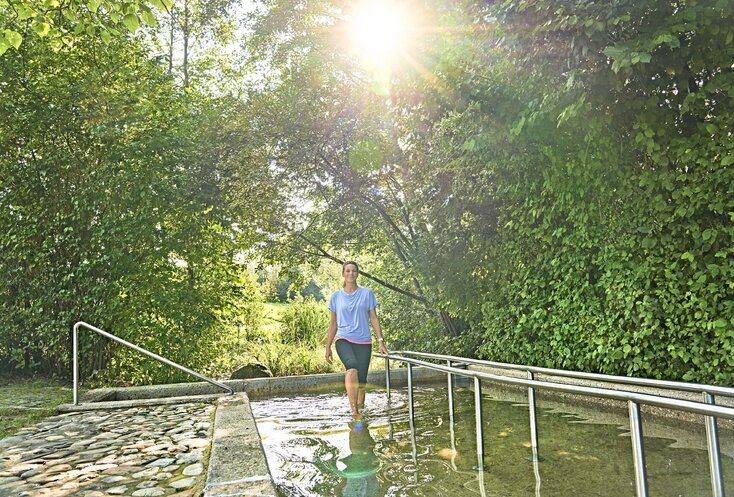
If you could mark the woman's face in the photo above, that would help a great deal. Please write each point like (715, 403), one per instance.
(350, 273)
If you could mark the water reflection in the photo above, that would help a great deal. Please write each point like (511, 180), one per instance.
(359, 468)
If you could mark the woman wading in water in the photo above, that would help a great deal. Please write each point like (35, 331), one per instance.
(353, 309)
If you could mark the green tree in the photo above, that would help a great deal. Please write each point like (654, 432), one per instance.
(113, 187)
(62, 22)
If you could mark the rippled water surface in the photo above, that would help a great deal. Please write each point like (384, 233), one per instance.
(314, 448)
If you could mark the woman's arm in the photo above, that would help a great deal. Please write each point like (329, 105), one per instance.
(378, 331)
(330, 334)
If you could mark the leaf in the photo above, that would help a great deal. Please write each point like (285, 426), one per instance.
(131, 22)
(41, 28)
(614, 52)
(162, 4)
(728, 160)
(149, 18)
(13, 38)
(106, 37)
(24, 12)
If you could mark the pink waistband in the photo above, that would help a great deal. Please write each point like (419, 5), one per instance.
(353, 341)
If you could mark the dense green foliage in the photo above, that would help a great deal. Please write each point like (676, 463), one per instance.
(558, 175)
(111, 209)
(617, 254)
(63, 22)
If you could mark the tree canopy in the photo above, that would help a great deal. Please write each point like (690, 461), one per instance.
(528, 181)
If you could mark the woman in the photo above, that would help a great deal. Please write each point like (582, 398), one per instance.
(353, 309)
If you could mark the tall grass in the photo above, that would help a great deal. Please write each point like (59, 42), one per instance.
(304, 322)
(288, 359)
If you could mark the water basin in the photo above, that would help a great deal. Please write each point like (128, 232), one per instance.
(314, 448)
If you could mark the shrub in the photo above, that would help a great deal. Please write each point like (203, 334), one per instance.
(305, 322)
(288, 359)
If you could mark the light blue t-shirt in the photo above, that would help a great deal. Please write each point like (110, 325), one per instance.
(353, 314)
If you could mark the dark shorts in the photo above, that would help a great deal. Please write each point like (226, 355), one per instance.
(355, 356)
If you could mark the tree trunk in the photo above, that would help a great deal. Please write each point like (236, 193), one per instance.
(170, 44)
(186, 44)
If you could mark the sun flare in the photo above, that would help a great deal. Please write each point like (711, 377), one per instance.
(379, 30)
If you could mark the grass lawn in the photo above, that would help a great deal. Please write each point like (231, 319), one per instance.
(272, 318)
(25, 401)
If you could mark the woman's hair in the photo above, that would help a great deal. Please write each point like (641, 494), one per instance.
(349, 263)
(344, 266)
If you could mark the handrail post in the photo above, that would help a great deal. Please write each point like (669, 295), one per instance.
(479, 422)
(387, 376)
(411, 411)
(451, 392)
(712, 443)
(638, 449)
(533, 422)
(75, 364)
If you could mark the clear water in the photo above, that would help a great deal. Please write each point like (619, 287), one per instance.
(314, 448)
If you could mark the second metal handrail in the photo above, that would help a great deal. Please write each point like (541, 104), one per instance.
(634, 399)
(75, 352)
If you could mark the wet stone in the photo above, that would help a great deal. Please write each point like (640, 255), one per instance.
(31, 472)
(190, 457)
(149, 492)
(114, 479)
(193, 470)
(183, 483)
(195, 442)
(166, 461)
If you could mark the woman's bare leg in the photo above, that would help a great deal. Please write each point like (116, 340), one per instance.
(360, 402)
(351, 383)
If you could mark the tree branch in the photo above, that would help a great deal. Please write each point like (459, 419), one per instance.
(323, 253)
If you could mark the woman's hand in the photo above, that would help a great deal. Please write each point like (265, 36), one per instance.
(327, 355)
(381, 347)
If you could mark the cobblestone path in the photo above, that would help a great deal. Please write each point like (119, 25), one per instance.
(140, 452)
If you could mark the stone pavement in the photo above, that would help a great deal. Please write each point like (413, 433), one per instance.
(136, 451)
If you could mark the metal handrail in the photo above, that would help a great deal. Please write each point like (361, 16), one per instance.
(626, 380)
(75, 351)
(634, 399)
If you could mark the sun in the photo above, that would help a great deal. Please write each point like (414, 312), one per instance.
(379, 30)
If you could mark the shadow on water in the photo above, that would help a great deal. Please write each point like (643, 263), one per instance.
(315, 449)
